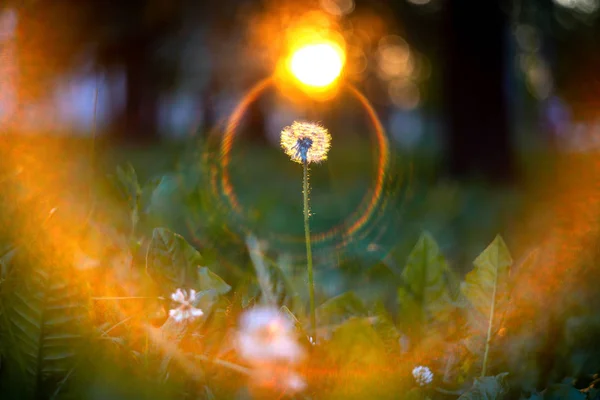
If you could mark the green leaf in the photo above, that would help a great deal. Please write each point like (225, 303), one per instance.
(486, 283)
(425, 297)
(42, 312)
(340, 308)
(208, 280)
(171, 261)
(385, 327)
(486, 288)
(487, 388)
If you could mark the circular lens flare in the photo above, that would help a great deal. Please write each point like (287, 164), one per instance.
(317, 65)
(356, 225)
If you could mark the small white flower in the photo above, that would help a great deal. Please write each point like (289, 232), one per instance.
(186, 311)
(423, 375)
(266, 335)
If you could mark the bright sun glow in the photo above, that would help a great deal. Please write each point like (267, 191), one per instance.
(317, 65)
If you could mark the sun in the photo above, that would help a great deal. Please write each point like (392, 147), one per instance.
(317, 65)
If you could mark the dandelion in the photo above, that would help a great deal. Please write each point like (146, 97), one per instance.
(267, 335)
(307, 142)
(186, 310)
(423, 375)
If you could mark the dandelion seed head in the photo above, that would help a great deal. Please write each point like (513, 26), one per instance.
(305, 142)
(422, 375)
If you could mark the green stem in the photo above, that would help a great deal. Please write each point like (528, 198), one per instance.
(311, 282)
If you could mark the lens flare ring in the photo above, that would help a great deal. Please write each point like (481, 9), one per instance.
(343, 233)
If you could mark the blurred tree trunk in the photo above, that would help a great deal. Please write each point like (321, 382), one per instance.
(138, 121)
(479, 140)
(141, 99)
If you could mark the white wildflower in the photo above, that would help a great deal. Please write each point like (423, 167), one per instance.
(186, 311)
(266, 335)
(423, 375)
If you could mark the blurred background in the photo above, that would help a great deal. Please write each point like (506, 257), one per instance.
(488, 94)
(475, 80)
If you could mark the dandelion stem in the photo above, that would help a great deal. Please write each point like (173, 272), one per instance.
(311, 282)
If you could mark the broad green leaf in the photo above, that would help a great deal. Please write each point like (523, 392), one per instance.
(486, 289)
(43, 310)
(340, 308)
(208, 280)
(487, 388)
(172, 262)
(486, 283)
(424, 298)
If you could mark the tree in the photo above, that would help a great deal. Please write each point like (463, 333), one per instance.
(479, 137)
(53, 36)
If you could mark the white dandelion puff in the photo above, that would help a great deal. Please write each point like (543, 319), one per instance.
(423, 375)
(186, 310)
(306, 142)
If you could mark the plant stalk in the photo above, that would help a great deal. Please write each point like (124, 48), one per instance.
(311, 282)
(490, 324)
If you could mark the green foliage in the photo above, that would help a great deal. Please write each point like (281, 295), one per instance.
(486, 288)
(139, 198)
(424, 298)
(363, 368)
(487, 388)
(209, 281)
(42, 325)
(338, 309)
(172, 262)
(386, 322)
(126, 181)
